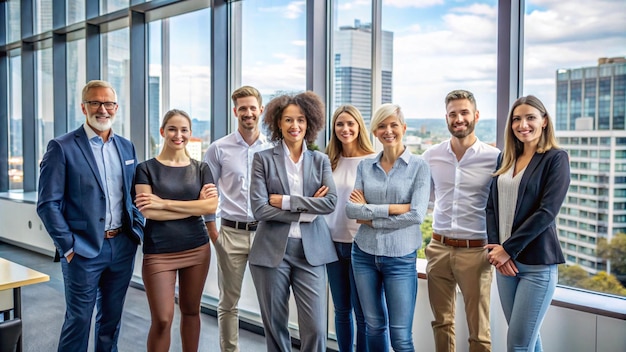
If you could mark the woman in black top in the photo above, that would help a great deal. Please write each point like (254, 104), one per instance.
(173, 192)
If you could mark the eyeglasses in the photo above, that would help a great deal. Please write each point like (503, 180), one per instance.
(109, 105)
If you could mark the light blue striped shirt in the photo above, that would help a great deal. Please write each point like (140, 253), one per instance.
(408, 181)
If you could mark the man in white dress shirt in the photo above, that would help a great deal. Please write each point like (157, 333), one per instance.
(461, 170)
(230, 160)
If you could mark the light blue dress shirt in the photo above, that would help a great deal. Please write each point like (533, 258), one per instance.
(110, 168)
(408, 181)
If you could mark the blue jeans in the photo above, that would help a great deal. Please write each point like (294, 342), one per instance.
(387, 289)
(345, 299)
(525, 299)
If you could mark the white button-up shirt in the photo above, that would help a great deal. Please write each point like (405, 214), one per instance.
(461, 188)
(295, 176)
(230, 160)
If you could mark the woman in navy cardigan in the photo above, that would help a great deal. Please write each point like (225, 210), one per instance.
(527, 192)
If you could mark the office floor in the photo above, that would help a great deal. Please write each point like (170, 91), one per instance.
(43, 307)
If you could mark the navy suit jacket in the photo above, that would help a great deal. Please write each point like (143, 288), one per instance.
(72, 201)
(269, 176)
(541, 193)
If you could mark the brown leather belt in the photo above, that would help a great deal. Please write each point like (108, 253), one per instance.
(108, 234)
(240, 225)
(454, 242)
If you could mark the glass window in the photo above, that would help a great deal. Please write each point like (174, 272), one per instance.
(352, 57)
(116, 70)
(108, 6)
(604, 103)
(619, 101)
(271, 56)
(155, 80)
(16, 170)
(588, 91)
(14, 29)
(75, 11)
(76, 64)
(273, 46)
(44, 106)
(185, 83)
(43, 16)
(431, 56)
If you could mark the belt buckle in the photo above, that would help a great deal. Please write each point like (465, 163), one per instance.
(251, 224)
(109, 234)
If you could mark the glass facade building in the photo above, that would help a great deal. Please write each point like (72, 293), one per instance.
(590, 115)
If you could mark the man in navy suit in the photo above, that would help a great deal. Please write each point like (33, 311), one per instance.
(85, 202)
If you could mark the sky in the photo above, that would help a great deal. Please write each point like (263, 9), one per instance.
(438, 45)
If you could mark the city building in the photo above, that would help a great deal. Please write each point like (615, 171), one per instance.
(590, 116)
(353, 67)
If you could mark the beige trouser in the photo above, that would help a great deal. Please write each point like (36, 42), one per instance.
(468, 268)
(232, 248)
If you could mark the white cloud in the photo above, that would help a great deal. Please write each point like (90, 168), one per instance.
(282, 72)
(460, 52)
(354, 4)
(565, 21)
(292, 10)
(477, 9)
(413, 3)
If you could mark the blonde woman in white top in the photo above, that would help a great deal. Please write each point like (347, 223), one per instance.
(349, 144)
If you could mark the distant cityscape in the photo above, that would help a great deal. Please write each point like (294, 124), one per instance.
(432, 131)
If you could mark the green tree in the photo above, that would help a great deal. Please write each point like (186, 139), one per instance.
(570, 275)
(603, 282)
(427, 234)
(615, 251)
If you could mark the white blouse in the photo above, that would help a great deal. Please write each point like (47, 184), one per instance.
(508, 187)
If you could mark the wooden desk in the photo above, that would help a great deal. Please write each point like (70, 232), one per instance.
(14, 276)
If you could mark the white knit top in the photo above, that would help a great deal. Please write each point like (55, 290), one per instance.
(341, 228)
(508, 187)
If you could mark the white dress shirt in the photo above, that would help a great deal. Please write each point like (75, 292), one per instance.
(230, 160)
(461, 189)
(295, 176)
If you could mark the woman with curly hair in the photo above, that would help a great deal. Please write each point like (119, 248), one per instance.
(290, 187)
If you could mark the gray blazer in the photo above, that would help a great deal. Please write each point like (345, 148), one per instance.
(269, 176)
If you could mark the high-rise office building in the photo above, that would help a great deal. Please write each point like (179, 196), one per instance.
(353, 67)
(590, 122)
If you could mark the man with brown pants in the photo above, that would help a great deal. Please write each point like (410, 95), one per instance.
(461, 170)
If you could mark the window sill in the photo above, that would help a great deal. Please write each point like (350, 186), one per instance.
(20, 196)
(597, 303)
